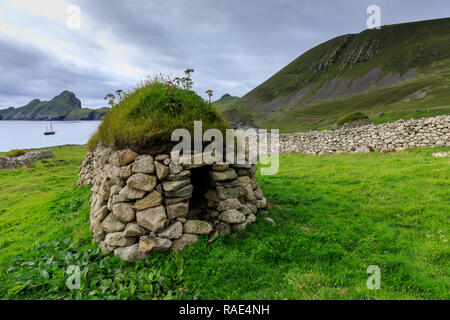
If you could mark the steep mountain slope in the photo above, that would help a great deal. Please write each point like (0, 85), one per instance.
(395, 70)
(65, 106)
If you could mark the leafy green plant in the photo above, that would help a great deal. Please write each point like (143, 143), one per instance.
(209, 92)
(45, 271)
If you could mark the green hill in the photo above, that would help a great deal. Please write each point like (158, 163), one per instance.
(225, 102)
(65, 106)
(398, 71)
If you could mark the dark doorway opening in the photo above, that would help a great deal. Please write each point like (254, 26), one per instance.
(201, 181)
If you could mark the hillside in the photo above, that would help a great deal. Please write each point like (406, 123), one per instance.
(399, 71)
(225, 100)
(65, 106)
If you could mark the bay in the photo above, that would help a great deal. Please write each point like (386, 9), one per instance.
(30, 134)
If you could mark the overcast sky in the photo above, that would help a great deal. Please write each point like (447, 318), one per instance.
(233, 45)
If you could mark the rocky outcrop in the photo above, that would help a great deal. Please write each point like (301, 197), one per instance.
(65, 106)
(24, 160)
(394, 136)
(142, 203)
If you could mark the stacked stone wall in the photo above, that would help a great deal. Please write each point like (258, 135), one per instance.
(394, 136)
(142, 204)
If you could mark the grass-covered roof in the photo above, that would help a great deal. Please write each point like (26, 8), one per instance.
(146, 117)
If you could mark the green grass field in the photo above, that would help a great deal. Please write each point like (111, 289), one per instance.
(335, 216)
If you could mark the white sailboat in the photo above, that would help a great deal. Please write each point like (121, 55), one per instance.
(49, 131)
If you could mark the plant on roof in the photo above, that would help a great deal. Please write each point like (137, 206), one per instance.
(148, 114)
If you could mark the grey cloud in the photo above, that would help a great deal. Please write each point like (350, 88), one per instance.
(233, 45)
(28, 72)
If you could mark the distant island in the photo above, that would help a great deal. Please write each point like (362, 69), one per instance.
(65, 106)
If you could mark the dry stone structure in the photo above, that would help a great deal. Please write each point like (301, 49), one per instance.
(142, 203)
(24, 160)
(394, 136)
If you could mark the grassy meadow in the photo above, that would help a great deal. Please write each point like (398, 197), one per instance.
(334, 216)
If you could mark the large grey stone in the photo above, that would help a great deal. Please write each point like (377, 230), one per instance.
(153, 199)
(173, 231)
(124, 212)
(178, 210)
(153, 219)
(117, 239)
(97, 229)
(106, 249)
(102, 213)
(142, 181)
(112, 224)
(232, 216)
(114, 159)
(261, 204)
(129, 193)
(249, 195)
(143, 164)
(229, 193)
(118, 199)
(171, 186)
(229, 204)
(243, 181)
(162, 171)
(131, 253)
(249, 208)
(183, 192)
(124, 172)
(175, 168)
(115, 189)
(126, 157)
(228, 174)
(152, 243)
(223, 228)
(197, 227)
(133, 229)
(180, 176)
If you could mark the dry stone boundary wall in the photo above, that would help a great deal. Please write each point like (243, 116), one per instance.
(394, 136)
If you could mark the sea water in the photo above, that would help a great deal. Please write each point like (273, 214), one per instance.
(30, 134)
